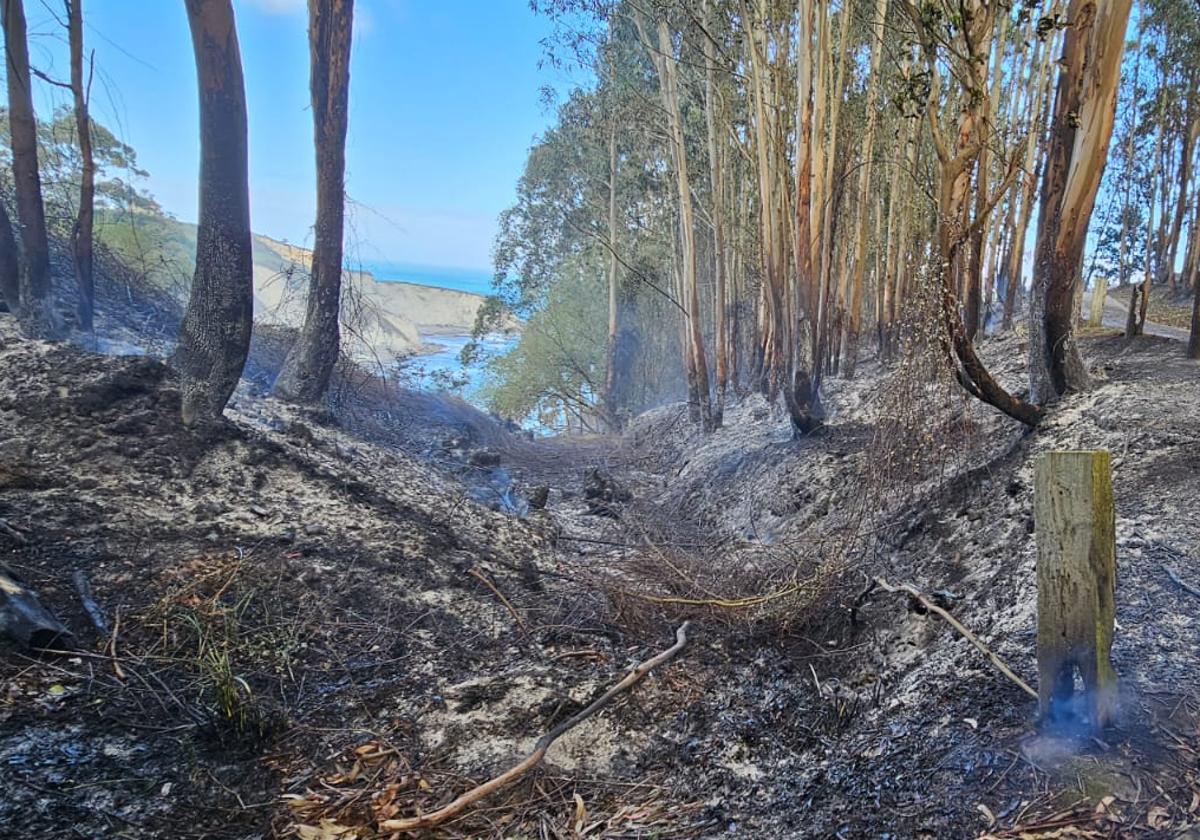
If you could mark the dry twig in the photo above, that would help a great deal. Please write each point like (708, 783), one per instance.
(441, 815)
(1180, 582)
(911, 590)
(482, 578)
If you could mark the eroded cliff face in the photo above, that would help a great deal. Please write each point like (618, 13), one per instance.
(394, 319)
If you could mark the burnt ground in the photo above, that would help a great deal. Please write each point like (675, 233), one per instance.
(316, 621)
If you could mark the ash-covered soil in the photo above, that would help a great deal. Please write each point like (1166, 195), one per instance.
(316, 621)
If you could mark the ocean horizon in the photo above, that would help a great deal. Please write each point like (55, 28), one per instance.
(476, 281)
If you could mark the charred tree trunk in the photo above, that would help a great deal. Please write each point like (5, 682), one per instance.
(954, 168)
(1193, 348)
(10, 266)
(609, 400)
(309, 364)
(37, 315)
(1084, 111)
(214, 337)
(716, 169)
(81, 233)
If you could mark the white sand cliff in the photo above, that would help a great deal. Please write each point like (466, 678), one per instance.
(389, 319)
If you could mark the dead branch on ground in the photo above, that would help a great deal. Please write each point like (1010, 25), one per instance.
(915, 593)
(436, 818)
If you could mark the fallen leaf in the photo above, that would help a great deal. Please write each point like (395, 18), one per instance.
(1158, 817)
(971, 722)
(580, 814)
(987, 813)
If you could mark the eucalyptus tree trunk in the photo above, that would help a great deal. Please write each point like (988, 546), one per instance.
(801, 389)
(214, 337)
(81, 233)
(971, 309)
(1036, 110)
(309, 365)
(1190, 133)
(37, 316)
(1082, 123)
(716, 170)
(954, 167)
(1139, 299)
(609, 399)
(827, 327)
(899, 211)
(662, 54)
(765, 108)
(10, 266)
(854, 321)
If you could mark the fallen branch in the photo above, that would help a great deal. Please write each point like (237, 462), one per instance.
(436, 818)
(1180, 582)
(915, 593)
(482, 578)
(7, 529)
(84, 587)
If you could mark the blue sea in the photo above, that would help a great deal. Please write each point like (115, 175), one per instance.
(444, 370)
(478, 281)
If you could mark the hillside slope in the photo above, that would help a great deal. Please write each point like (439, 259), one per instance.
(387, 319)
(323, 622)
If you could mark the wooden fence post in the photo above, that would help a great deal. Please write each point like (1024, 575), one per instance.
(1076, 576)
(1099, 293)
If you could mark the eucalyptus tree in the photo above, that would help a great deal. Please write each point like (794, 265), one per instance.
(310, 361)
(660, 48)
(1081, 126)
(37, 314)
(214, 337)
(960, 35)
(81, 232)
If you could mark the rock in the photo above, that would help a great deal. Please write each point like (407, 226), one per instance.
(258, 510)
(315, 529)
(539, 496)
(24, 620)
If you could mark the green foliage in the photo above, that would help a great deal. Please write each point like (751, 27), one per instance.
(61, 166)
(558, 364)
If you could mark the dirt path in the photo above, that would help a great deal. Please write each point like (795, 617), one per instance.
(1116, 313)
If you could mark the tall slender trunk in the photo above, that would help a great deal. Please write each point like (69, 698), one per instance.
(214, 337)
(1181, 202)
(854, 321)
(1139, 300)
(37, 315)
(663, 56)
(611, 374)
(1084, 112)
(828, 304)
(81, 233)
(310, 363)
(971, 313)
(1039, 102)
(716, 171)
(10, 267)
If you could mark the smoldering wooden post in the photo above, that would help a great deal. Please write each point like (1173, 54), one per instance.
(1076, 576)
(1096, 310)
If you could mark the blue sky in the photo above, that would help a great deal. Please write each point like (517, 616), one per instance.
(445, 102)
